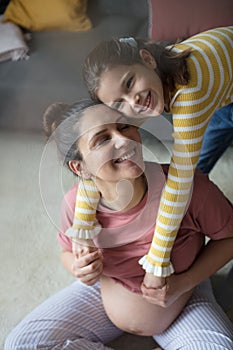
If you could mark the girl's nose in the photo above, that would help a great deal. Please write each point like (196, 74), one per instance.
(134, 100)
(137, 103)
(137, 99)
(131, 104)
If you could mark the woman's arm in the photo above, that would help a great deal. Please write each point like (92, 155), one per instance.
(214, 256)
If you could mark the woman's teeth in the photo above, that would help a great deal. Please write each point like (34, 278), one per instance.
(125, 157)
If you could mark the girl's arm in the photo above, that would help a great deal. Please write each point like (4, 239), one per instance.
(174, 202)
(214, 256)
(192, 107)
(85, 224)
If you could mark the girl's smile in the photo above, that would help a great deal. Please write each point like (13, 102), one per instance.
(147, 103)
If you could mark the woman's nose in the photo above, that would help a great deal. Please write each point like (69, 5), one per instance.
(120, 140)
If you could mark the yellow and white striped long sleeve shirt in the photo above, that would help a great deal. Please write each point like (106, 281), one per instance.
(210, 67)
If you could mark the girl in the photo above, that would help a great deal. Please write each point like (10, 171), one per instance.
(191, 80)
(98, 143)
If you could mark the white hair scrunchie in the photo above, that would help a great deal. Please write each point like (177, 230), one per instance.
(130, 40)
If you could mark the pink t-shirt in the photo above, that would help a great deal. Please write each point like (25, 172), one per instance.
(126, 236)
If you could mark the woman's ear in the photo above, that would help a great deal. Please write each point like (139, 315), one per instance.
(147, 58)
(77, 168)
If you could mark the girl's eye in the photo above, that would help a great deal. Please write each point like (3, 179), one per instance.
(129, 82)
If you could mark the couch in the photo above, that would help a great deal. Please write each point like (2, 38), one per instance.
(53, 70)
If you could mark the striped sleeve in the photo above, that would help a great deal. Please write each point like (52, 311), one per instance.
(211, 87)
(85, 224)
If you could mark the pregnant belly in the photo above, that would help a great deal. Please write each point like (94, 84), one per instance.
(131, 313)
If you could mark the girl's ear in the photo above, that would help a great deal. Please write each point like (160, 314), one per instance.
(147, 58)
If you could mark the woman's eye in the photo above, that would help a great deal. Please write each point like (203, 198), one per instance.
(123, 127)
(101, 141)
(129, 82)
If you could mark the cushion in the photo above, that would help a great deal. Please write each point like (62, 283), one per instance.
(38, 15)
(3, 5)
(173, 20)
(12, 44)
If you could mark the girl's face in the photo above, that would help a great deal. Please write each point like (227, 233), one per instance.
(111, 149)
(133, 89)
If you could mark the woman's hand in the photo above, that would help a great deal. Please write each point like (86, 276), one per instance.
(88, 263)
(175, 286)
(88, 268)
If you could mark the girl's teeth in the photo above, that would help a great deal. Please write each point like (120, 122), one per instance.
(148, 101)
(147, 104)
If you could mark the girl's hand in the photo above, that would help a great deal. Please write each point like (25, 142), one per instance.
(175, 286)
(82, 246)
(151, 281)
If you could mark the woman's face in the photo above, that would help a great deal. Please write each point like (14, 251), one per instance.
(110, 148)
(134, 89)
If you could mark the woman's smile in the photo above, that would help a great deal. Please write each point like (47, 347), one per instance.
(126, 157)
(111, 148)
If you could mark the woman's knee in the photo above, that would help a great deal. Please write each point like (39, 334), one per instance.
(13, 342)
(33, 335)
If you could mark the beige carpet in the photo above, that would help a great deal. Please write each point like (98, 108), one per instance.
(29, 254)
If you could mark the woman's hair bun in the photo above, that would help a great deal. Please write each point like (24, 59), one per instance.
(53, 116)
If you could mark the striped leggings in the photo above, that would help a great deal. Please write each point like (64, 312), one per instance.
(74, 319)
